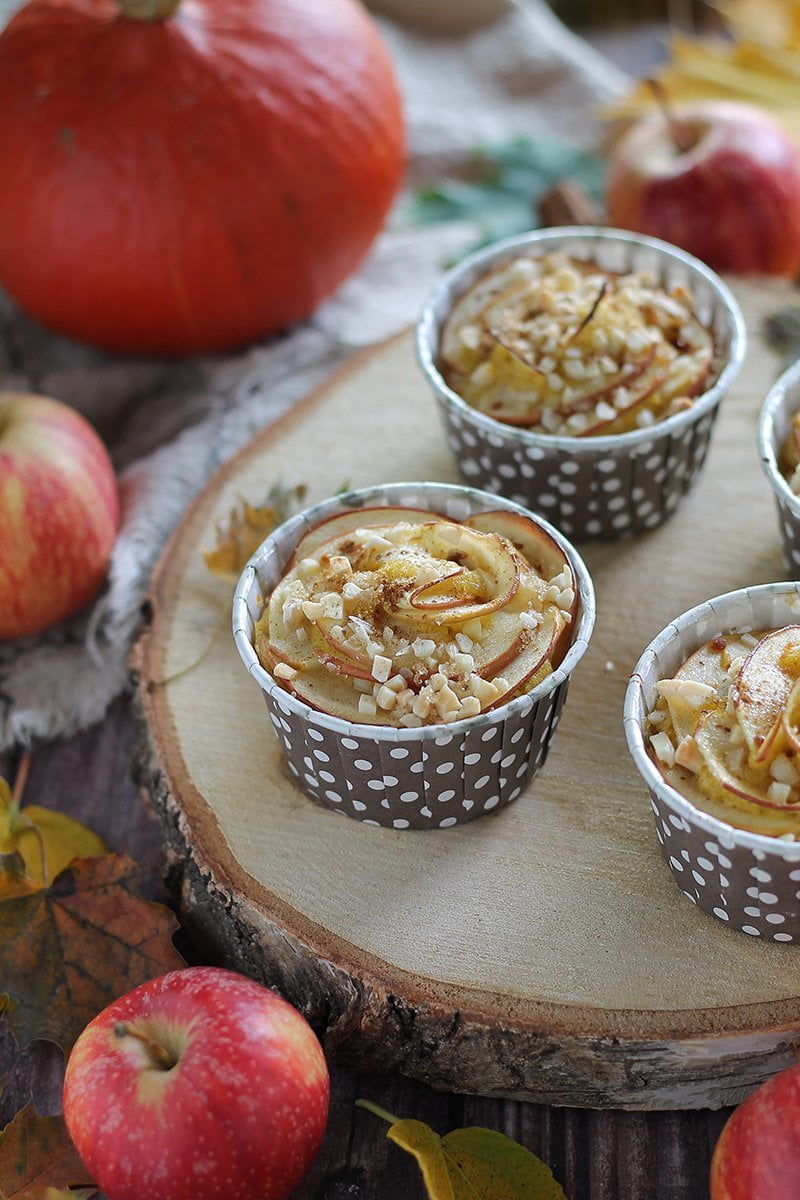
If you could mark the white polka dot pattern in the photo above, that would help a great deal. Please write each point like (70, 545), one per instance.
(434, 782)
(753, 891)
(789, 525)
(589, 495)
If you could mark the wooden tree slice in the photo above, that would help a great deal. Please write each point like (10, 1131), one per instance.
(542, 953)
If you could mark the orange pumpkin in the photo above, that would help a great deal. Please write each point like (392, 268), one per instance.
(182, 177)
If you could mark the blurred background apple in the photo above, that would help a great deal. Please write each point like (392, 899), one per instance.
(59, 512)
(720, 179)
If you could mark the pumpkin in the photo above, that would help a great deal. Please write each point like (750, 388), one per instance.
(183, 177)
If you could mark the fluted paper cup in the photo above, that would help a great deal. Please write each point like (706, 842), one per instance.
(782, 401)
(749, 881)
(430, 777)
(592, 488)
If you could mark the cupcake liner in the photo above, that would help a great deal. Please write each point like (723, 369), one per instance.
(782, 400)
(434, 776)
(749, 881)
(594, 488)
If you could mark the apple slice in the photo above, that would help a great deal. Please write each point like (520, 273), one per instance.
(331, 529)
(713, 741)
(627, 376)
(538, 549)
(791, 717)
(455, 588)
(539, 650)
(329, 692)
(765, 681)
(469, 309)
(477, 552)
(337, 654)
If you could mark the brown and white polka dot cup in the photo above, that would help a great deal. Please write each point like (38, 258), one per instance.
(592, 488)
(431, 777)
(749, 881)
(782, 401)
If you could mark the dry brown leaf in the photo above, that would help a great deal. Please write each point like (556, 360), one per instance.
(246, 527)
(68, 950)
(37, 1158)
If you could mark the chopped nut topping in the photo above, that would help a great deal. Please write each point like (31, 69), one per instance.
(406, 622)
(567, 347)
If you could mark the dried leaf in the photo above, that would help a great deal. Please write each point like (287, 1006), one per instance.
(46, 841)
(470, 1163)
(245, 528)
(37, 1159)
(759, 63)
(68, 950)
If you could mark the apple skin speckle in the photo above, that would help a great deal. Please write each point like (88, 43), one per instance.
(241, 1112)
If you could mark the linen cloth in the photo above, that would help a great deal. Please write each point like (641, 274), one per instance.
(169, 425)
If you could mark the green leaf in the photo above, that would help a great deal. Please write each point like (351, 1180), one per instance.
(505, 184)
(473, 1163)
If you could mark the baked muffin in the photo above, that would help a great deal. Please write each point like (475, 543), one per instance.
(414, 644)
(711, 720)
(578, 372)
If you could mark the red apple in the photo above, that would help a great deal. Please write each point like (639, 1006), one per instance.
(59, 513)
(720, 179)
(199, 1085)
(757, 1156)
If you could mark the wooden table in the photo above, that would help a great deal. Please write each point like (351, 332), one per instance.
(594, 1155)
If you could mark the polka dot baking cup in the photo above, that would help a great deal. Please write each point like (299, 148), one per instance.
(430, 777)
(592, 488)
(783, 400)
(749, 881)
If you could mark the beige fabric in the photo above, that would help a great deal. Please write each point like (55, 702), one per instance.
(169, 426)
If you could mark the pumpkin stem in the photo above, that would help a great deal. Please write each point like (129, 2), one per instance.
(148, 10)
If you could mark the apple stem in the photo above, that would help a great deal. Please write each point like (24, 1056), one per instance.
(682, 139)
(377, 1110)
(160, 1056)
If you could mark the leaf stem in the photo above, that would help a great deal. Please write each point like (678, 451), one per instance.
(21, 778)
(377, 1110)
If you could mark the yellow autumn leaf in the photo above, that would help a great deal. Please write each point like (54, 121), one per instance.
(44, 840)
(759, 63)
(771, 22)
(469, 1163)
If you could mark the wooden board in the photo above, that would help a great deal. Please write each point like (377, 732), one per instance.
(543, 953)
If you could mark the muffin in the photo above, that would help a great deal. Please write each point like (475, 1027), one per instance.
(579, 372)
(779, 450)
(414, 643)
(712, 717)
